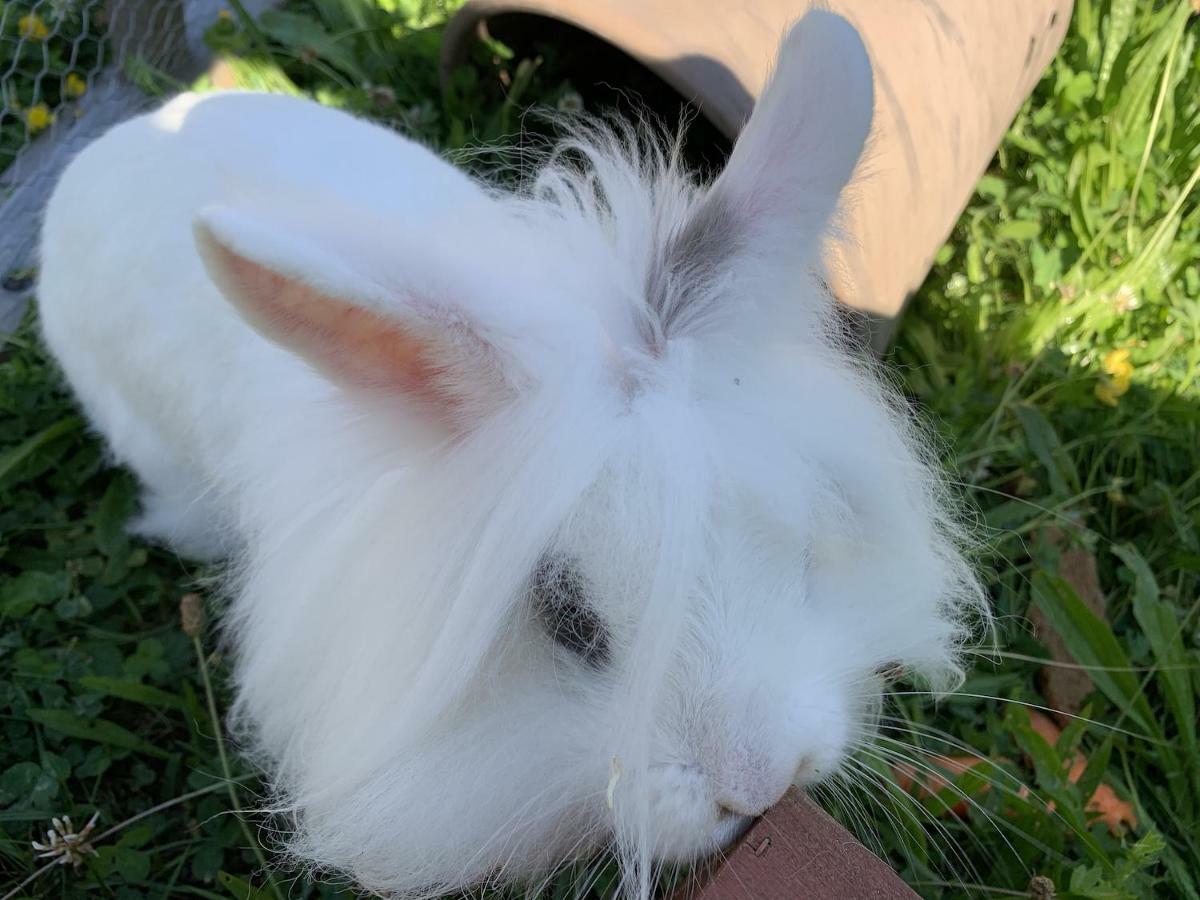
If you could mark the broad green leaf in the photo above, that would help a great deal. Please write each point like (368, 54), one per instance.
(1097, 766)
(128, 689)
(30, 782)
(1184, 879)
(1092, 643)
(305, 36)
(1086, 26)
(1078, 88)
(22, 594)
(10, 459)
(241, 889)
(131, 864)
(1047, 265)
(116, 506)
(1043, 442)
(992, 187)
(975, 270)
(101, 731)
(1145, 69)
(1052, 782)
(1120, 24)
(1162, 628)
(1018, 230)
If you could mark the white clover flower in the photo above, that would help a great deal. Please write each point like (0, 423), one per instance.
(63, 842)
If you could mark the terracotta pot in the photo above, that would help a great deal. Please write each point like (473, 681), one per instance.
(950, 76)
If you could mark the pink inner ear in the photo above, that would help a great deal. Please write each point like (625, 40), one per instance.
(349, 343)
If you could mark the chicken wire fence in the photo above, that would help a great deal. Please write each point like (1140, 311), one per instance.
(69, 70)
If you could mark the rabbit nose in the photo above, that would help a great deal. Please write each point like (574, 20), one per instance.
(757, 784)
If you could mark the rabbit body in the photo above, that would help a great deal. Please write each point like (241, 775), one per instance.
(557, 518)
(164, 366)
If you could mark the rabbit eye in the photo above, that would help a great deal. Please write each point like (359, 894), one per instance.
(560, 601)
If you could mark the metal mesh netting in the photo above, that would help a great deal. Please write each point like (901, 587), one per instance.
(70, 69)
(49, 53)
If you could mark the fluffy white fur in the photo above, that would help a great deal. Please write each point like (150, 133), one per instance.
(389, 394)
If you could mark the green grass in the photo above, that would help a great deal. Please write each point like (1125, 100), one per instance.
(1083, 239)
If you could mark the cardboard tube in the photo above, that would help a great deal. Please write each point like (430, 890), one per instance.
(950, 76)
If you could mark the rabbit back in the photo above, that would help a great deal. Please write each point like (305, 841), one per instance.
(166, 370)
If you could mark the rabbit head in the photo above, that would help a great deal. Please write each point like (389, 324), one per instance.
(622, 539)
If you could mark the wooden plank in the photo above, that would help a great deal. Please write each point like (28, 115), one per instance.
(798, 852)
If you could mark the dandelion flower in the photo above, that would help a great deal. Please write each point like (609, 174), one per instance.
(1118, 371)
(32, 28)
(1108, 393)
(1117, 364)
(75, 86)
(38, 117)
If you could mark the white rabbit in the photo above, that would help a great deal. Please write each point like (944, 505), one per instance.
(557, 520)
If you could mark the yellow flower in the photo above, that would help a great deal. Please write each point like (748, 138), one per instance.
(1119, 372)
(32, 28)
(38, 117)
(75, 86)
(1117, 364)
(1109, 392)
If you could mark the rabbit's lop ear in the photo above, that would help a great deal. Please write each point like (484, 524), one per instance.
(802, 142)
(351, 324)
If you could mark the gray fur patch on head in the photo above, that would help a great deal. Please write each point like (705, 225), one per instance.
(624, 185)
(686, 270)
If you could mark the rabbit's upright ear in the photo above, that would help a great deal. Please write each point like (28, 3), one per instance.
(350, 322)
(801, 144)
